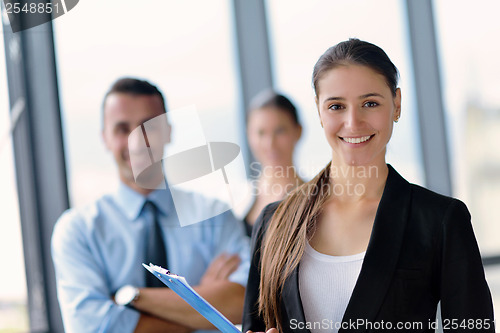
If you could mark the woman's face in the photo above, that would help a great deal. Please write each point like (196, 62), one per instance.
(272, 135)
(357, 110)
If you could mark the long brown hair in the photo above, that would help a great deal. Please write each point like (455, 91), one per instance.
(294, 221)
(285, 239)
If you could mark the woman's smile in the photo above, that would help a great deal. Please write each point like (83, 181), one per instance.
(357, 141)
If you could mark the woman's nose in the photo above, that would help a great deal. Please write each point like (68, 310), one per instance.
(354, 119)
(271, 140)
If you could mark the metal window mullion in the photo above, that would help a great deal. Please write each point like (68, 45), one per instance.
(39, 160)
(431, 114)
(253, 54)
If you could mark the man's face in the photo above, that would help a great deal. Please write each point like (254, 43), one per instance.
(122, 114)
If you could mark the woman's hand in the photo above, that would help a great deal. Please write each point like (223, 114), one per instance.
(271, 330)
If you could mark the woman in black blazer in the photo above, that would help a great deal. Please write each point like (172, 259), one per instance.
(413, 247)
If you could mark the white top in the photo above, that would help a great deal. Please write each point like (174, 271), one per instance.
(326, 284)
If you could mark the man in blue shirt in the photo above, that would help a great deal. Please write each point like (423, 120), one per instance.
(98, 249)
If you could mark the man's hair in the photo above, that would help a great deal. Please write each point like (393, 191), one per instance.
(133, 86)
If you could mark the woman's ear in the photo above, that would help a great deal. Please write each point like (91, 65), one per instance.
(299, 132)
(397, 105)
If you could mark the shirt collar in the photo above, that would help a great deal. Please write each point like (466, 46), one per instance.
(131, 202)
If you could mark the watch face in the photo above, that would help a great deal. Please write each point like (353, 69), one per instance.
(125, 295)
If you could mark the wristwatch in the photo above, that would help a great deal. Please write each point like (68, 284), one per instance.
(126, 295)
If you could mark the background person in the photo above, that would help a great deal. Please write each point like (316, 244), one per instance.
(98, 249)
(273, 130)
(387, 254)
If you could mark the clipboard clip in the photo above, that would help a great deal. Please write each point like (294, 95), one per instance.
(158, 269)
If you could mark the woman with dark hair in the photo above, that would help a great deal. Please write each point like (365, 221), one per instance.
(273, 129)
(358, 248)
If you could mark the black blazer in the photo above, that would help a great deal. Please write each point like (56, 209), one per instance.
(422, 250)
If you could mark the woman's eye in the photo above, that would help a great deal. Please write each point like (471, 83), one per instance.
(370, 104)
(335, 107)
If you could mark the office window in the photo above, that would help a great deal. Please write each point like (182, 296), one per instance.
(471, 84)
(13, 296)
(185, 47)
(302, 31)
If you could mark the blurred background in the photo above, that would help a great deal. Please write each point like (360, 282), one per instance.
(216, 55)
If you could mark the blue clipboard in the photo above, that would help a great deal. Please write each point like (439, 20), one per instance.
(180, 286)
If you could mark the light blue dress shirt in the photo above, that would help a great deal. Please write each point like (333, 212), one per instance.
(99, 248)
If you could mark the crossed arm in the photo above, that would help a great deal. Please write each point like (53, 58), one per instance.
(163, 309)
(149, 323)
